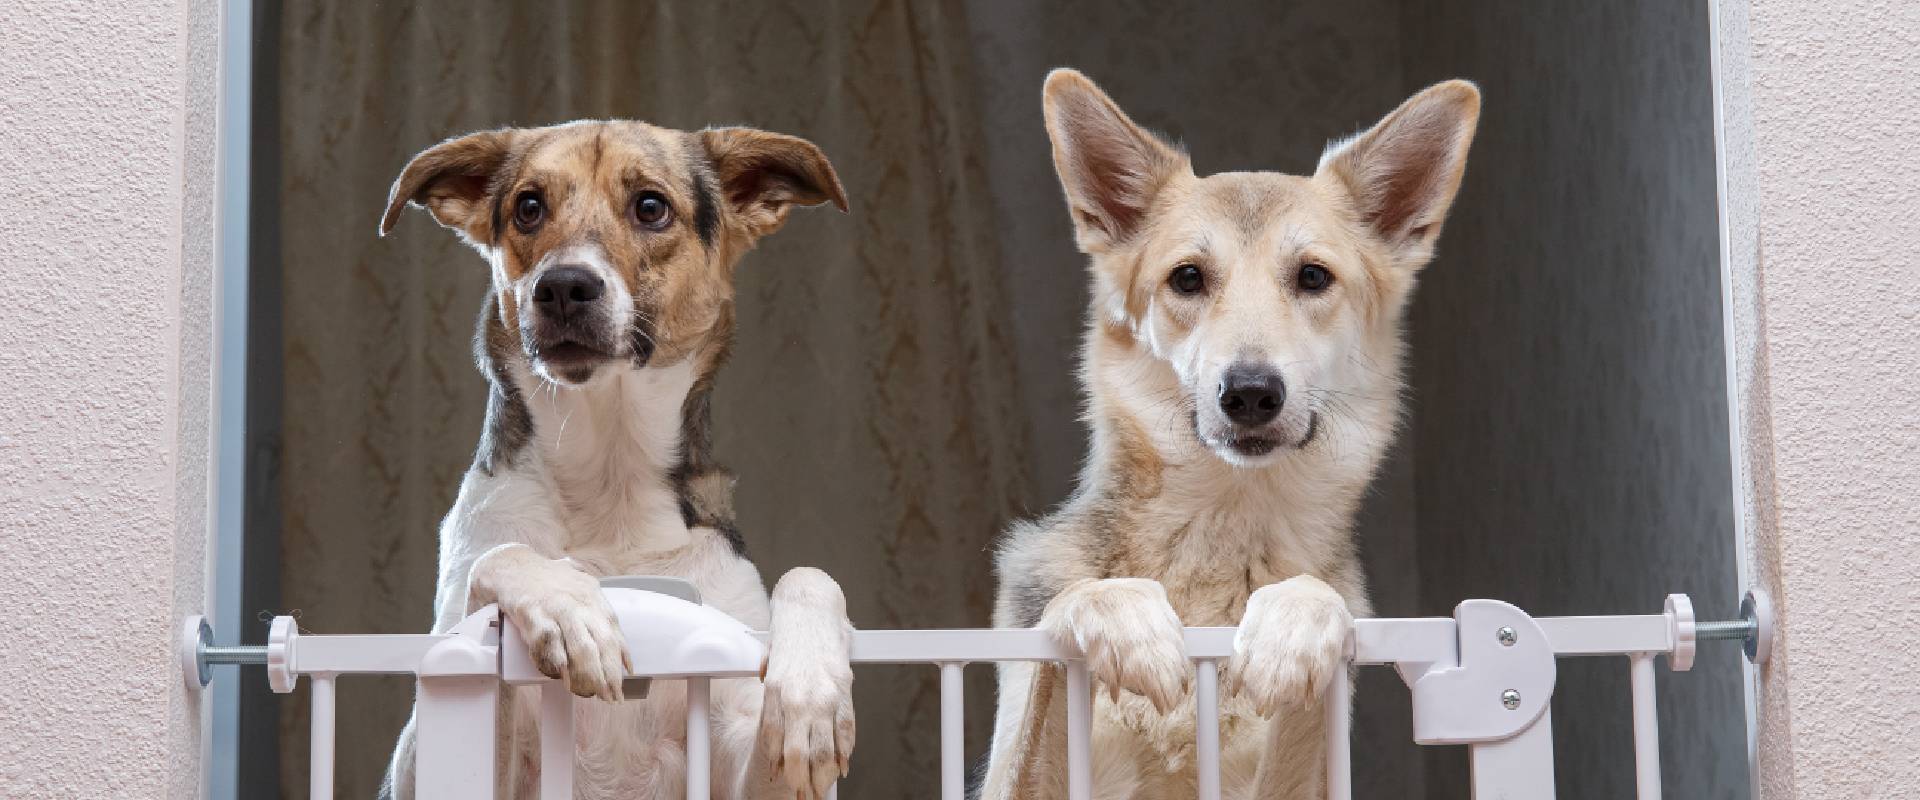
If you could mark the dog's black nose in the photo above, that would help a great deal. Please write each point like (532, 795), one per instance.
(562, 288)
(1252, 395)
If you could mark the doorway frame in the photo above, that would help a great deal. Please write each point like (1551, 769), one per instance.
(243, 485)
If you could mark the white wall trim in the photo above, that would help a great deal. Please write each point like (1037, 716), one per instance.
(226, 544)
(1742, 549)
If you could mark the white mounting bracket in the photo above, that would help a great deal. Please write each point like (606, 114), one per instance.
(456, 698)
(1501, 682)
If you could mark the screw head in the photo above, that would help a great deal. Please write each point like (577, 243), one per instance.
(1507, 636)
(1510, 699)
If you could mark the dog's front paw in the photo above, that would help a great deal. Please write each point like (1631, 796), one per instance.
(806, 712)
(1130, 635)
(569, 628)
(1292, 639)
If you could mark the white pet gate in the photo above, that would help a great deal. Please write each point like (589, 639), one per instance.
(1483, 678)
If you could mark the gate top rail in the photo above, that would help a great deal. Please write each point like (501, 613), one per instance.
(1483, 678)
(1380, 640)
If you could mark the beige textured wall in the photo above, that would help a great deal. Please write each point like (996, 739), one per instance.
(1832, 424)
(106, 149)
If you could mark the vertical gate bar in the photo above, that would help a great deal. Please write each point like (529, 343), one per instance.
(1079, 732)
(953, 779)
(320, 761)
(1516, 767)
(455, 719)
(699, 740)
(556, 741)
(1338, 702)
(1646, 728)
(1206, 710)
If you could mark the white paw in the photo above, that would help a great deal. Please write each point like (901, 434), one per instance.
(806, 712)
(570, 629)
(1291, 641)
(1130, 634)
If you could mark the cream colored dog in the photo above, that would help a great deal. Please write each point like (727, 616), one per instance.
(1242, 367)
(612, 247)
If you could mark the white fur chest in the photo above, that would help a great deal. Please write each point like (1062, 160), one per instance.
(604, 451)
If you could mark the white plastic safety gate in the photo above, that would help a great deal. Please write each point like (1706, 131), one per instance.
(1483, 678)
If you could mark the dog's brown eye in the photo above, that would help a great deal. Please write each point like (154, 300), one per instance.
(650, 210)
(1314, 278)
(528, 211)
(1187, 279)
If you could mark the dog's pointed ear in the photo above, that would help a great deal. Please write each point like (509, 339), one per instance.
(1110, 167)
(450, 180)
(764, 175)
(1404, 172)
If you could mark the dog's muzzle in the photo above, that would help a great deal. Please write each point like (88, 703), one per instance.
(1250, 398)
(567, 331)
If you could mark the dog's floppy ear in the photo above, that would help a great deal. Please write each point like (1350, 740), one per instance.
(1110, 167)
(1403, 173)
(764, 175)
(450, 179)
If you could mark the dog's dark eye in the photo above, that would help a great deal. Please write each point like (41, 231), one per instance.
(1187, 279)
(528, 211)
(650, 210)
(1314, 278)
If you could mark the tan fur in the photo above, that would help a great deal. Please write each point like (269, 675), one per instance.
(1177, 519)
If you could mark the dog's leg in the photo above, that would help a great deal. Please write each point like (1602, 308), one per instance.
(1290, 644)
(560, 611)
(1029, 699)
(806, 713)
(1132, 640)
(1293, 765)
(736, 733)
(398, 784)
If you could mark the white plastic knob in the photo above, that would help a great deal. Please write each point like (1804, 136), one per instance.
(1681, 624)
(280, 638)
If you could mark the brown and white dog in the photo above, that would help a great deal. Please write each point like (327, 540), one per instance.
(612, 247)
(1242, 367)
